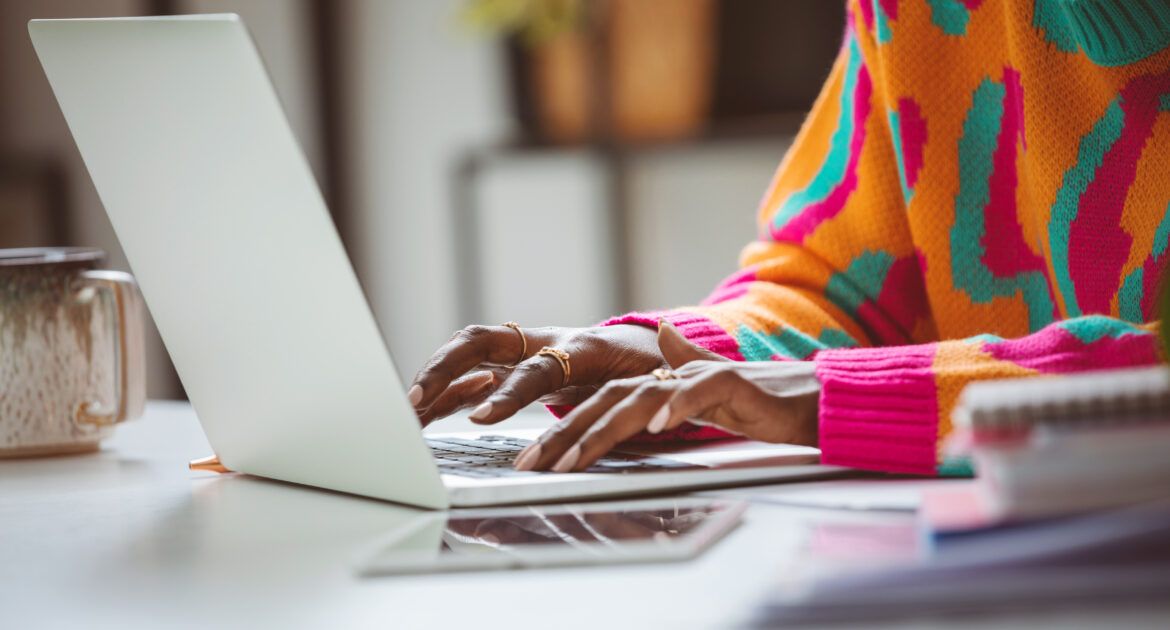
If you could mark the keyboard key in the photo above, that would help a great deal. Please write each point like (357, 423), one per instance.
(492, 456)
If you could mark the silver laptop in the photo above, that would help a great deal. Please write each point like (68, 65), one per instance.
(241, 267)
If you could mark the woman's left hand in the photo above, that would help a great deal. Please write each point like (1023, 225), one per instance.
(770, 401)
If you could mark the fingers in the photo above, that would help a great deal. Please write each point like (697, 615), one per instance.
(465, 392)
(732, 402)
(466, 350)
(703, 395)
(621, 422)
(678, 351)
(570, 396)
(551, 447)
(534, 378)
(717, 393)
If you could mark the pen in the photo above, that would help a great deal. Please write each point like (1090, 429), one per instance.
(209, 463)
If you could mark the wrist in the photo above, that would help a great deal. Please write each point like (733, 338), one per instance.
(698, 329)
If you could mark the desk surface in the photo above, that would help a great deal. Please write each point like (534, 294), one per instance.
(129, 537)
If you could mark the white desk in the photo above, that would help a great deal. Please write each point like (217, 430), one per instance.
(130, 538)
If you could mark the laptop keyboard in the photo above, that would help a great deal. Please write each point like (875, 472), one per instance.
(492, 456)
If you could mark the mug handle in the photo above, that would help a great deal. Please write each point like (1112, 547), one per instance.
(130, 386)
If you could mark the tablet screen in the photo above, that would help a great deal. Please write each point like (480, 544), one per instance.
(560, 535)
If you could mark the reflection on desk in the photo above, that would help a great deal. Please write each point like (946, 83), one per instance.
(128, 537)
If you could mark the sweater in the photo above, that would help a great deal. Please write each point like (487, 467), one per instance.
(981, 190)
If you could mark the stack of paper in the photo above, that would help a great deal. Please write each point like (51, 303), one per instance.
(1109, 558)
(1048, 447)
(1071, 504)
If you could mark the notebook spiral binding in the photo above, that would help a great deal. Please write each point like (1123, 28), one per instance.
(1112, 398)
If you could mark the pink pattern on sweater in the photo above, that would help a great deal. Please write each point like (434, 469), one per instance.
(1097, 244)
(912, 130)
(891, 317)
(814, 214)
(1153, 270)
(1054, 350)
(1006, 254)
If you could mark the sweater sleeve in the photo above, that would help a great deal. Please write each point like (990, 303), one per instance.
(889, 408)
(835, 278)
(834, 264)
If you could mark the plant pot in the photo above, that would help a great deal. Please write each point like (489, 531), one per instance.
(656, 82)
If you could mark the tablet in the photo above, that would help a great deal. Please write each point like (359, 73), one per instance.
(613, 532)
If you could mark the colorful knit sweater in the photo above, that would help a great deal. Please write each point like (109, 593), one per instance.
(981, 190)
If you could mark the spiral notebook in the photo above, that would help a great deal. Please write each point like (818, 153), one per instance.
(1011, 409)
(1049, 446)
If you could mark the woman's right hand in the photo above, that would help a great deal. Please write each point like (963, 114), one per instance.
(482, 367)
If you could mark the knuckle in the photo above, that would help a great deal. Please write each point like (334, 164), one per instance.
(585, 335)
(554, 434)
(473, 332)
(593, 437)
(648, 388)
(599, 438)
(614, 389)
(436, 368)
(529, 369)
(588, 342)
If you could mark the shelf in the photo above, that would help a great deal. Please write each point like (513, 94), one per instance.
(761, 128)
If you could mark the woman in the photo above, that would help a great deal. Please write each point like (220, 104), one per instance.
(980, 191)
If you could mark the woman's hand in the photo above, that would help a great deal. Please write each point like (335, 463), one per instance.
(490, 368)
(771, 401)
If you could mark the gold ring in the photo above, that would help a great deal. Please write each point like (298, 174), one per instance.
(664, 374)
(562, 357)
(523, 342)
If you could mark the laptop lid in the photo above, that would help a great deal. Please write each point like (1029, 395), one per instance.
(228, 235)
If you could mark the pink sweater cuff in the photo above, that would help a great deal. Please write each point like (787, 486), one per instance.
(879, 408)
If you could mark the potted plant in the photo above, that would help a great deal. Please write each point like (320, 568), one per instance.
(631, 70)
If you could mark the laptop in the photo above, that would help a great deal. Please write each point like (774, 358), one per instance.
(226, 230)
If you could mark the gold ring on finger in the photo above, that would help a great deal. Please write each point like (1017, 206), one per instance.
(562, 357)
(664, 374)
(523, 342)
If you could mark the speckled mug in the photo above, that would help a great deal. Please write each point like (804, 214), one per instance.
(71, 351)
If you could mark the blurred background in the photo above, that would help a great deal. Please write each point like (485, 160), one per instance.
(547, 161)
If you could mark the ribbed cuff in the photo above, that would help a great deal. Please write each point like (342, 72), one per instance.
(879, 408)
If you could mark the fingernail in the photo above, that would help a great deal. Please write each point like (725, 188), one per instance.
(484, 377)
(658, 422)
(481, 412)
(414, 395)
(528, 457)
(568, 460)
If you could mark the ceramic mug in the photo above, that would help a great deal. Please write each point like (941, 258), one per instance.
(71, 351)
